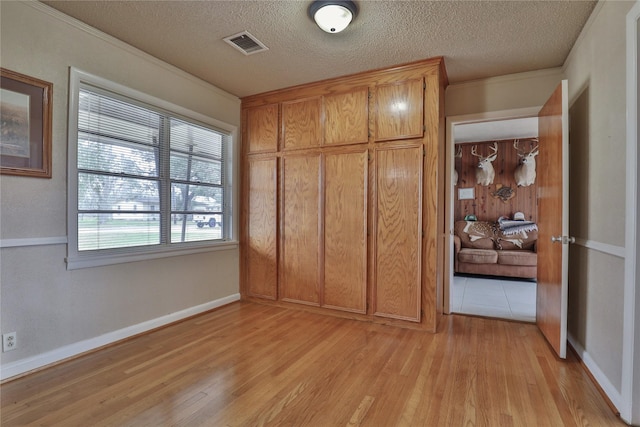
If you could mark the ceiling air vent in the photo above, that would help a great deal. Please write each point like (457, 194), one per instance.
(246, 43)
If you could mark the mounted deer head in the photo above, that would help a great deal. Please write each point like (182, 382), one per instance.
(455, 171)
(525, 173)
(485, 172)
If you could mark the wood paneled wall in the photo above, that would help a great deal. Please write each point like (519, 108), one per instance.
(485, 206)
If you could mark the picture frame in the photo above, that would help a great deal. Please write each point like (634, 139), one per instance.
(466, 193)
(25, 125)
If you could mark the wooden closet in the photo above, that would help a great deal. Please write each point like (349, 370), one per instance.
(343, 192)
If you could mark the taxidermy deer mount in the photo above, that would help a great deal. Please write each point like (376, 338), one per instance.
(455, 171)
(485, 172)
(525, 173)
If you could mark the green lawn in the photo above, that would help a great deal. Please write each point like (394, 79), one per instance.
(120, 232)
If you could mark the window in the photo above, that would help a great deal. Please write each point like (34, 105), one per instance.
(144, 180)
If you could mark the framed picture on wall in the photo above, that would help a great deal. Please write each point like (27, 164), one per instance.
(25, 125)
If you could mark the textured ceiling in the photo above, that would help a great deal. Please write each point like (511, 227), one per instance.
(478, 39)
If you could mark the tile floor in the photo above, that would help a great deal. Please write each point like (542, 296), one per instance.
(494, 297)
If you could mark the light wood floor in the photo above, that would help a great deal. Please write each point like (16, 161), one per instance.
(248, 364)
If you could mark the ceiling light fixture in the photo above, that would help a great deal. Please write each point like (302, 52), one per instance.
(333, 16)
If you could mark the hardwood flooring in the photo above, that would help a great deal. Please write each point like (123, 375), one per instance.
(248, 364)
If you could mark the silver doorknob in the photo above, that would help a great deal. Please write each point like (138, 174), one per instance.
(565, 240)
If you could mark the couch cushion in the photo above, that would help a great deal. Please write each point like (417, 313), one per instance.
(475, 234)
(522, 258)
(478, 256)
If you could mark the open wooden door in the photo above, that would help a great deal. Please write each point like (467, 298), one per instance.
(553, 219)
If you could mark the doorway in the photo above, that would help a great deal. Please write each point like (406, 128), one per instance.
(486, 295)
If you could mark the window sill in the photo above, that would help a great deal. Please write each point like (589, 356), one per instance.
(93, 260)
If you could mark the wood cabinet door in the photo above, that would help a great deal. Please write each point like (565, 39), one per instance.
(346, 118)
(301, 127)
(345, 231)
(300, 229)
(398, 211)
(262, 272)
(262, 129)
(399, 110)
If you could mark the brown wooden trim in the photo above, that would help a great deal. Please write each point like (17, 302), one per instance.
(331, 311)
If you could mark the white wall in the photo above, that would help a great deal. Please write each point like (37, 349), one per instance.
(510, 92)
(631, 357)
(55, 311)
(597, 98)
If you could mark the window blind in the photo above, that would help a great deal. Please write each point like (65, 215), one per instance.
(146, 177)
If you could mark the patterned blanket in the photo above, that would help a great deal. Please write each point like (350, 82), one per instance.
(511, 227)
(505, 233)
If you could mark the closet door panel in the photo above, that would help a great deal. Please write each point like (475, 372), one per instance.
(262, 129)
(301, 127)
(399, 110)
(398, 232)
(345, 231)
(300, 229)
(347, 117)
(262, 272)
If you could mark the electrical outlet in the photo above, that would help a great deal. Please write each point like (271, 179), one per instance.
(9, 341)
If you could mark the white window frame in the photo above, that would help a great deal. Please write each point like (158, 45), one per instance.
(84, 259)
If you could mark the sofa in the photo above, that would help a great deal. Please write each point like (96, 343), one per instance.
(491, 248)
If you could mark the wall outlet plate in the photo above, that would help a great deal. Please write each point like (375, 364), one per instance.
(9, 341)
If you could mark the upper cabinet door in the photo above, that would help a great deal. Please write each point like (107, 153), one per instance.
(347, 118)
(399, 110)
(262, 129)
(301, 127)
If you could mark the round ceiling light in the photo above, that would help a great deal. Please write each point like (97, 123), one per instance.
(333, 16)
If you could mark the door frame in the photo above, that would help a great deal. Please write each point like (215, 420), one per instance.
(629, 411)
(451, 122)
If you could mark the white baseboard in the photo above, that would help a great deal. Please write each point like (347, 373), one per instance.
(612, 393)
(41, 360)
